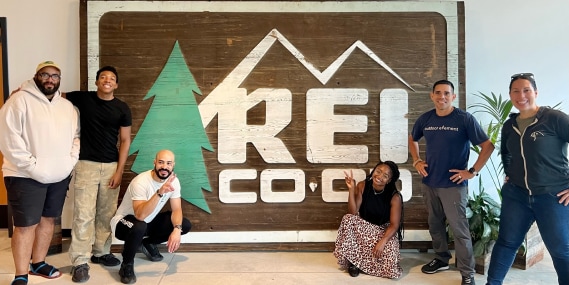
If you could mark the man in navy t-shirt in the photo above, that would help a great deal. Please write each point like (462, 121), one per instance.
(448, 133)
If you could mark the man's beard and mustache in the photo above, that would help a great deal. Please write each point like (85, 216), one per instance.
(46, 90)
(162, 177)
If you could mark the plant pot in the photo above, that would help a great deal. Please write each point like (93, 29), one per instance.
(534, 250)
(481, 263)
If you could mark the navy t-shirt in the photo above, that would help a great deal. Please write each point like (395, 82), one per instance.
(448, 141)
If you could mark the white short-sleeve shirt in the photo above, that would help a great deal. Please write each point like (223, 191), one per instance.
(142, 188)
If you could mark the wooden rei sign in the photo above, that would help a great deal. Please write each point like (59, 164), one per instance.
(265, 104)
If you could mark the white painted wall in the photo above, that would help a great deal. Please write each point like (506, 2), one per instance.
(39, 31)
(508, 37)
(502, 38)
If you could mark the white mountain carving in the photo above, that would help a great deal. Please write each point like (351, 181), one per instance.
(222, 93)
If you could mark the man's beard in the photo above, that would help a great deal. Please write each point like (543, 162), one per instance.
(157, 172)
(44, 90)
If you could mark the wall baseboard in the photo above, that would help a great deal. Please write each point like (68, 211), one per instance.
(3, 216)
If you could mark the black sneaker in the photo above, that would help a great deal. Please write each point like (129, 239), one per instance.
(468, 280)
(80, 273)
(353, 270)
(434, 266)
(107, 260)
(151, 251)
(127, 273)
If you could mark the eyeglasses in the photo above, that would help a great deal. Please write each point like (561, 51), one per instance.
(45, 76)
(522, 75)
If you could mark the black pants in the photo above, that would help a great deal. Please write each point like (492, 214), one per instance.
(132, 231)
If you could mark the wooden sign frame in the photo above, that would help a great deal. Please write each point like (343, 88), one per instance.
(306, 47)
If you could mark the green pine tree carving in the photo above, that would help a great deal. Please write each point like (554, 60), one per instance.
(173, 122)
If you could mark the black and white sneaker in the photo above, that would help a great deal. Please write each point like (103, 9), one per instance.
(468, 280)
(434, 266)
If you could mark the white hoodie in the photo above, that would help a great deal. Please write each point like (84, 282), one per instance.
(38, 138)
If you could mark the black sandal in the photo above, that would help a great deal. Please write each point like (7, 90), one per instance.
(20, 281)
(45, 270)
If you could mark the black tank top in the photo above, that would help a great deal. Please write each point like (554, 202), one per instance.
(376, 206)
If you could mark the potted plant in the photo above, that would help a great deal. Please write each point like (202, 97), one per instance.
(483, 212)
(483, 215)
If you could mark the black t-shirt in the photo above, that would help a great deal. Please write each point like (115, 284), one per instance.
(100, 124)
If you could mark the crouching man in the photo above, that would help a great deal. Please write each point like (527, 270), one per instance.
(139, 222)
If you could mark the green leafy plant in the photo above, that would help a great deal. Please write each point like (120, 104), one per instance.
(498, 109)
(483, 212)
(483, 215)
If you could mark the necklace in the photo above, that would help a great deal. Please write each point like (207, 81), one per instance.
(377, 193)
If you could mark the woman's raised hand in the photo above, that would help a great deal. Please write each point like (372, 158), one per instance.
(350, 181)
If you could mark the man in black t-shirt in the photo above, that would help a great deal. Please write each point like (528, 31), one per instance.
(98, 174)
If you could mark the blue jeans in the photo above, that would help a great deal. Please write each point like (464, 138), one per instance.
(519, 211)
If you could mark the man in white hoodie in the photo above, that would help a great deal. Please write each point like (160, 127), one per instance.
(40, 144)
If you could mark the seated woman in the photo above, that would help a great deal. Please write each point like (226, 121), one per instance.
(370, 234)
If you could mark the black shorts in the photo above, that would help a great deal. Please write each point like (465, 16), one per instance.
(30, 200)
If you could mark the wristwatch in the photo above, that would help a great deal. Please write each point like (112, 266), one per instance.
(178, 227)
(473, 171)
(158, 193)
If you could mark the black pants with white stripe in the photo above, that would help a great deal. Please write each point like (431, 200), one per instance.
(132, 231)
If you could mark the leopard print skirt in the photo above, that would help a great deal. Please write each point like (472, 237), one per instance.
(355, 242)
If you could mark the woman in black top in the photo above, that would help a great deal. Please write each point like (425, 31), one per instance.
(370, 234)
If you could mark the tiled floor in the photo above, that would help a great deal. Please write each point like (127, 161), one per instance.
(282, 268)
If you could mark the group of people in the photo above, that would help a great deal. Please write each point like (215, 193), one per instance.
(46, 134)
(533, 149)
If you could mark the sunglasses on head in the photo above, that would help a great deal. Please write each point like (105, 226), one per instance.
(522, 75)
